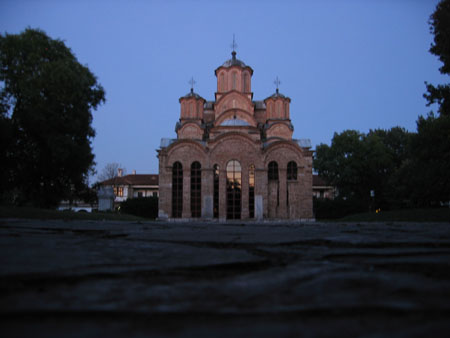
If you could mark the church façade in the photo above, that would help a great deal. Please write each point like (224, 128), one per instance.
(234, 157)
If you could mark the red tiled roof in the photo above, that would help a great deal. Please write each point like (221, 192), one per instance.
(135, 179)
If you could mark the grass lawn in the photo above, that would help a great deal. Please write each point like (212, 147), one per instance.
(35, 213)
(407, 215)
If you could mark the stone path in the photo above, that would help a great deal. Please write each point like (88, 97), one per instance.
(115, 279)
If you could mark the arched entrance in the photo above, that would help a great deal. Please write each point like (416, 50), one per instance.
(234, 186)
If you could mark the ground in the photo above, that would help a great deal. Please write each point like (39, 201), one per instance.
(115, 279)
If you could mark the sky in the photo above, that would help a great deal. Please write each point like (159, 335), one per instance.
(347, 64)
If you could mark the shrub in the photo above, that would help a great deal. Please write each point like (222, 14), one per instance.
(142, 206)
(333, 209)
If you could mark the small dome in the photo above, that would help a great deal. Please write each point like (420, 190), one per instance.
(278, 94)
(192, 94)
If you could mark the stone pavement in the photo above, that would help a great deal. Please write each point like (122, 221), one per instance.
(115, 279)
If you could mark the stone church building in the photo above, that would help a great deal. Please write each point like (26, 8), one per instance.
(234, 157)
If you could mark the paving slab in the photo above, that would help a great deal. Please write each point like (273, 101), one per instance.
(200, 279)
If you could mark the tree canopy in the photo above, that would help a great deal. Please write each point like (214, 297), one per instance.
(440, 28)
(431, 156)
(46, 103)
(358, 163)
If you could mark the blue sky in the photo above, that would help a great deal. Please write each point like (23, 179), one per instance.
(349, 64)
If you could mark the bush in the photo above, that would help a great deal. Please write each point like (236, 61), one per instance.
(325, 208)
(142, 206)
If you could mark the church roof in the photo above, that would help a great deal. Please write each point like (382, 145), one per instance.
(234, 123)
(277, 94)
(234, 62)
(192, 94)
(304, 142)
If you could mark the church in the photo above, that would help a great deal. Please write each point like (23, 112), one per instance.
(234, 157)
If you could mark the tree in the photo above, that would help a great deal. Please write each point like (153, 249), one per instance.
(431, 161)
(358, 163)
(111, 170)
(429, 166)
(46, 101)
(440, 28)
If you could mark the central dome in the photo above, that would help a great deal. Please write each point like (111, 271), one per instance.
(234, 62)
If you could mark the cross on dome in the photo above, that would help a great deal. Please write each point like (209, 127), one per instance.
(277, 83)
(234, 45)
(192, 83)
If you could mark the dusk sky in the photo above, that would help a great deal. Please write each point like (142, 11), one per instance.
(349, 64)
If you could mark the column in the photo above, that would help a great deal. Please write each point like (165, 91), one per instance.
(260, 193)
(282, 208)
(207, 193)
(186, 213)
(244, 194)
(222, 194)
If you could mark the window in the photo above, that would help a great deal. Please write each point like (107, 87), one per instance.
(273, 170)
(292, 171)
(191, 110)
(118, 191)
(177, 190)
(216, 191)
(251, 191)
(196, 189)
(155, 194)
(246, 83)
(222, 82)
(140, 194)
(234, 181)
(199, 109)
(234, 80)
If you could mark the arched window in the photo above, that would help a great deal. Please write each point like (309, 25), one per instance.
(222, 82)
(251, 191)
(234, 80)
(273, 171)
(234, 180)
(196, 189)
(216, 191)
(272, 114)
(177, 190)
(191, 109)
(292, 171)
(246, 89)
(199, 109)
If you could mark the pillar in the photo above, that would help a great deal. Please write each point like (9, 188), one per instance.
(208, 193)
(186, 213)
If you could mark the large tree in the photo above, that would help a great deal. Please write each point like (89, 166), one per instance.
(440, 28)
(430, 163)
(358, 163)
(47, 98)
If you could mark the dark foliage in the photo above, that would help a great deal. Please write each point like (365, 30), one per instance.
(146, 207)
(440, 28)
(46, 99)
(325, 208)
(358, 163)
(429, 169)
(430, 162)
